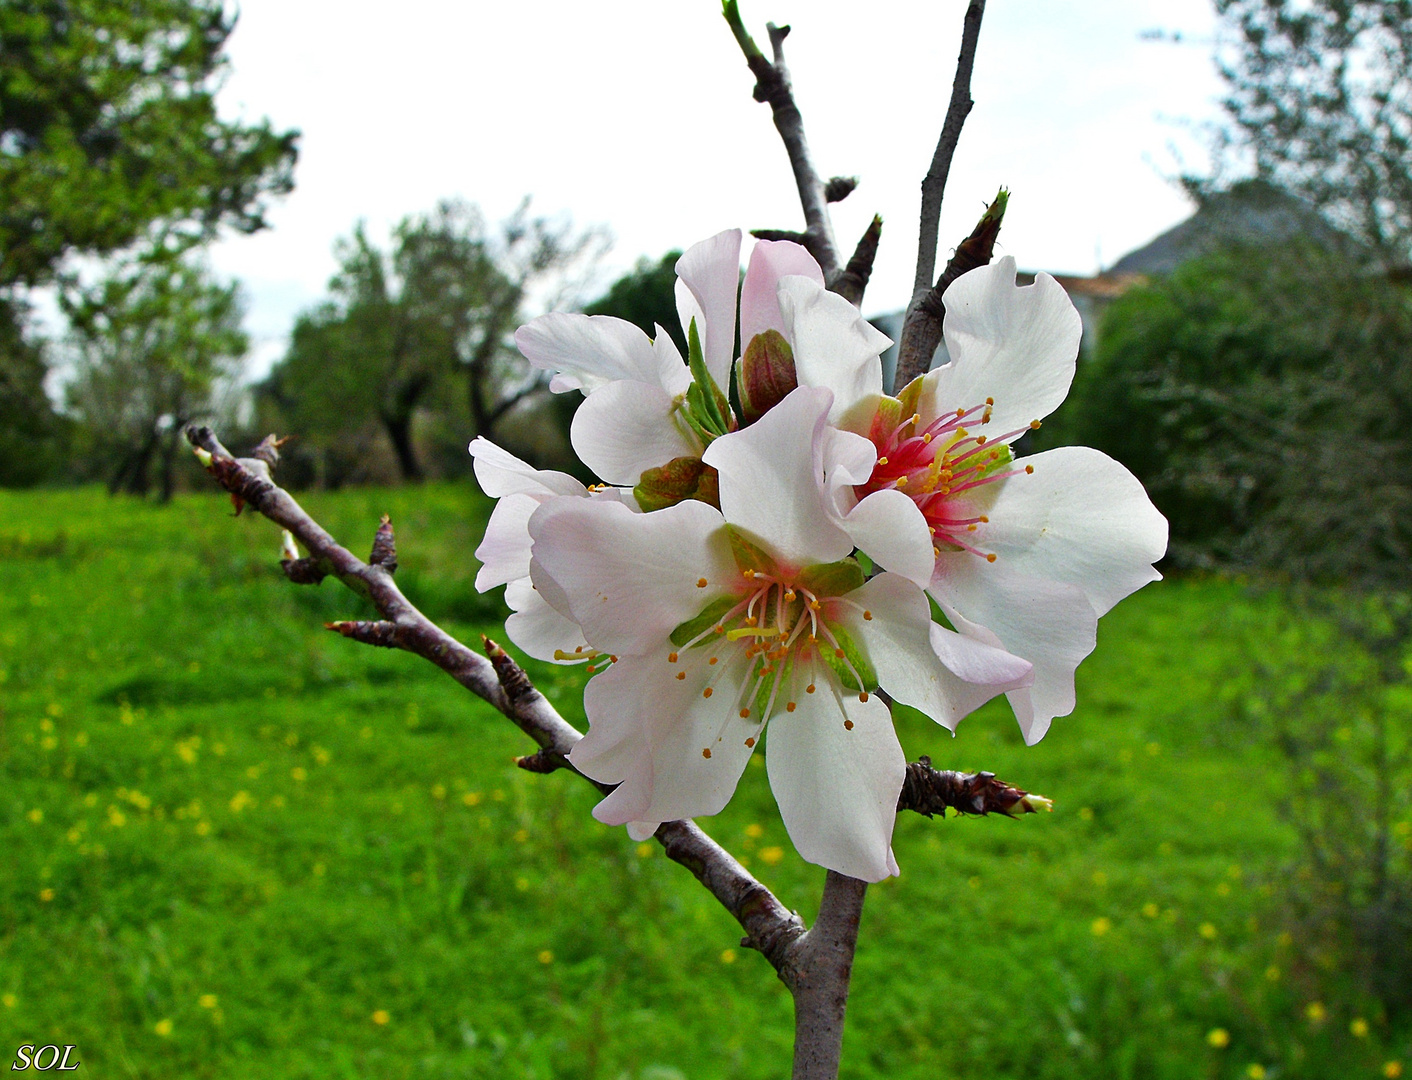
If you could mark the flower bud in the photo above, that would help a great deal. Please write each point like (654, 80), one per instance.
(765, 374)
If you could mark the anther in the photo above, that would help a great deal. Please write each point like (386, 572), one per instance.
(960, 413)
(706, 692)
(848, 725)
(706, 753)
(868, 615)
(789, 706)
(713, 660)
(990, 401)
(980, 440)
(612, 659)
(927, 438)
(749, 573)
(1029, 469)
(750, 741)
(1034, 425)
(882, 461)
(936, 551)
(990, 557)
(902, 481)
(789, 594)
(745, 714)
(701, 583)
(970, 528)
(809, 689)
(838, 653)
(718, 629)
(863, 696)
(578, 648)
(681, 675)
(985, 520)
(671, 658)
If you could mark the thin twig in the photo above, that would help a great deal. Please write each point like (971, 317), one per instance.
(922, 326)
(931, 791)
(934, 184)
(769, 926)
(772, 85)
(854, 278)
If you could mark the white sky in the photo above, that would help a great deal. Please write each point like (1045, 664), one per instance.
(637, 115)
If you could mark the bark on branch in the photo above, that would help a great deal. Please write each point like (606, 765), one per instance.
(934, 183)
(931, 791)
(921, 329)
(772, 86)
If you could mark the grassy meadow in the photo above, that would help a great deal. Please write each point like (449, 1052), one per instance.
(238, 845)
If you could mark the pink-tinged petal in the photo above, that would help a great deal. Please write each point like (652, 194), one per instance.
(536, 627)
(834, 347)
(1016, 344)
(501, 473)
(586, 351)
(674, 753)
(945, 683)
(642, 830)
(889, 528)
(1080, 518)
(759, 295)
(504, 552)
(629, 579)
(708, 278)
(1051, 625)
(771, 482)
(672, 372)
(627, 427)
(837, 785)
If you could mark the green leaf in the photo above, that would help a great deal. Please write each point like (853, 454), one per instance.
(833, 579)
(710, 615)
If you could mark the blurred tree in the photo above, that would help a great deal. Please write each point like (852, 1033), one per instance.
(152, 344)
(32, 435)
(1319, 102)
(646, 297)
(108, 129)
(426, 328)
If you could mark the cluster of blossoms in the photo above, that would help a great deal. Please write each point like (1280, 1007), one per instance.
(767, 572)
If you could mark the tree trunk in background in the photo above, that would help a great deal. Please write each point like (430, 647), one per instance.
(399, 431)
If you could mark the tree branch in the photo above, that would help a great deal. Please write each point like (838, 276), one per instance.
(854, 278)
(922, 327)
(819, 973)
(931, 791)
(772, 85)
(934, 183)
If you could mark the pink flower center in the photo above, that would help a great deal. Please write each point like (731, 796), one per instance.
(941, 467)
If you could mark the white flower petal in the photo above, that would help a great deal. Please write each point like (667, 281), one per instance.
(629, 579)
(834, 347)
(536, 627)
(708, 278)
(771, 483)
(587, 351)
(642, 830)
(1017, 344)
(651, 733)
(627, 427)
(889, 528)
(945, 683)
(501, 473)
(837, 788)
(1081, 518)
(672, 372)
(504, 552)
(1051, 625)
(759, 295)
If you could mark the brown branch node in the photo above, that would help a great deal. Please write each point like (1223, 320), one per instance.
(854, 280)
(545, 760)
(931, 791)
(306, 571)
(839, 188)
(385, 547)
(512, 677)
(381, 633)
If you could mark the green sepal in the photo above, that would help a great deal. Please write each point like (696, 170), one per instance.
(886, 419)
(748, 554)
(762, 695)
(680, 479)
(908, 398)
(938, 616)
(833, 579)
(710, 615)
(853, 655)
(711, 406)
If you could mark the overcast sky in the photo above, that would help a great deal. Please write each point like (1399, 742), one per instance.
(636, 115)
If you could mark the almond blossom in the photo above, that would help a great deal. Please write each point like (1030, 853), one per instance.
(712, 628)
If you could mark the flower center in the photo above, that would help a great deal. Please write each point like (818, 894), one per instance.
(941, 467)
(774, 637)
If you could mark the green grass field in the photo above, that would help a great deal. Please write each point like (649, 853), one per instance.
(238, 845)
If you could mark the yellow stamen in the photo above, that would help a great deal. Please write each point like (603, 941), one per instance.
(750, 741)
(681, 675)
(701, 583)
(990, 557)
(671, 658)
(809, 689)
(745, 714)
(706, 692)
(706, 753)
(789, 706)
(868, 615)
(1029, 468)
(848, 725)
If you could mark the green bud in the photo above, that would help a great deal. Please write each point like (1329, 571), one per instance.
(765, 374)
(680, 479)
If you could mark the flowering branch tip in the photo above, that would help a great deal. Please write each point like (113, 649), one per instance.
(931, 791)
